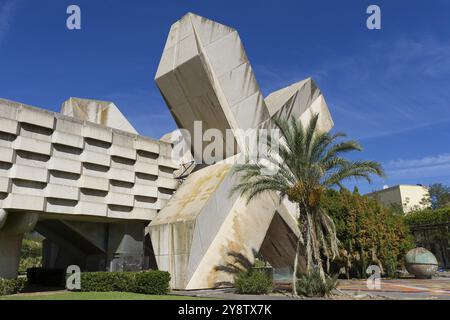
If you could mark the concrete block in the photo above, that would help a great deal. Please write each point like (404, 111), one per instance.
(96, 158)
(9, 126)
(146, 144)
(9, 109)
(37, 117)
(145, 190)
(167, 183)
(97, 132)
(147, 168)
(60, 206)
(65, 165)
(142, 214)
(29, 173)
(5, 184)
(122, 152)
(95, 183)
(68, 139)
(32, 145)
(62, 192)
(91, 208)
(120, 199)
(168, 162)
(24, 202)
(6, 155)
(121, 175)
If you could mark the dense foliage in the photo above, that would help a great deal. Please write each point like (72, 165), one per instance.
(253, 282)
(312, 285)
(11, 286)
(31, 253)
(431, 230)
(147, 282)
(369, 233)
(428, 217)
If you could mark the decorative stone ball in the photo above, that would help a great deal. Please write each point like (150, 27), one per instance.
(421, 263)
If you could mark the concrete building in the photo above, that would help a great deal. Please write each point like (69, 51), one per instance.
(409, 197)
(103, 196)
(88, 188)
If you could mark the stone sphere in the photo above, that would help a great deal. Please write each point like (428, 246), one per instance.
(421, 263)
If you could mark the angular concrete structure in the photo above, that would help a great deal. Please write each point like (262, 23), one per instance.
(107, 198)
(93, 188)
(204, 75)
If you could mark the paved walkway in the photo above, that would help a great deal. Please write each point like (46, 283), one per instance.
(436, 288)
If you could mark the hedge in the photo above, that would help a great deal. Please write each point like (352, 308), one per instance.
(11, 286)
(146, 282)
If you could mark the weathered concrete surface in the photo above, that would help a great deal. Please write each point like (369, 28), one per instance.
(67, 168)
(204, 75)
(201, 225)
(57, 164)
(12, 227)
(104, 113)
(300, 100)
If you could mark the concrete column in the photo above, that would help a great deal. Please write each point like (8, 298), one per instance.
(12, 227)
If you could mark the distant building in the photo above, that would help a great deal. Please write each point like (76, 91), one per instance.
(410, 197)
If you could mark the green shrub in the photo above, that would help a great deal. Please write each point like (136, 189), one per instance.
(154, 282)
(312, 285)
(368, 232)
(148, 282)
(428, 217)
(12, 286)
(253, 282)
(31, 254)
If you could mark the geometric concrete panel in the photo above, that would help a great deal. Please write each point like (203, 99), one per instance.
(57, 164)
(104, 113)
(198, 228)
(204, 75)
(300, 100)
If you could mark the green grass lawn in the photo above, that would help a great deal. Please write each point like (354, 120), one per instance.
(96, 296)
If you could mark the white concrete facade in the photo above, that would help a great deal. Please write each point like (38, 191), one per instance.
(58, 164)
(409, 197)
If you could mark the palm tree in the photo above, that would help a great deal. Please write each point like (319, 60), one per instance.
(307, 163)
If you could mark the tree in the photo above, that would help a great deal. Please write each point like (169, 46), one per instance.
(306, 163)
(439, 195)
(368, 232)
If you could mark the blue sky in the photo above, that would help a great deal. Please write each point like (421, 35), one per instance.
(388, 88)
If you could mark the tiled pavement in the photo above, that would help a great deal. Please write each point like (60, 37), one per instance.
(436, 288)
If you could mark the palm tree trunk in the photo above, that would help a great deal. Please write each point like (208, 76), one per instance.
(294, 275)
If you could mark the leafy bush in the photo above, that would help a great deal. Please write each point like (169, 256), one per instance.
(428, 217)
(11, 286)
(148, 282)
(312, 285)
(253, 282)
(31, 254)
(154, 282)
(369, 233)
